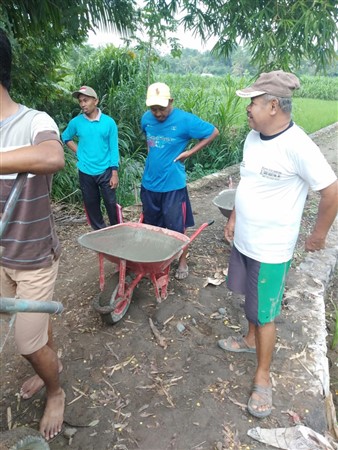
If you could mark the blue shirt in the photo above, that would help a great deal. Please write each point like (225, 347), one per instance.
(166, 140)
(98, 143)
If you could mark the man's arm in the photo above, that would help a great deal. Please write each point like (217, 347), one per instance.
(327, 212)
(72, 146)
(229, 228)
(114, 180)
(43, 158)
(196, 148)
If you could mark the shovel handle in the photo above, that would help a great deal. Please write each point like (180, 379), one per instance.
(11, 201)
(14, 305)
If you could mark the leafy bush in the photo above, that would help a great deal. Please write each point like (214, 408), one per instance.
(120, 76)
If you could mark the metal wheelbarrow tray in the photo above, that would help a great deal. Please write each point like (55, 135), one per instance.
(138, 250)
(225, 201)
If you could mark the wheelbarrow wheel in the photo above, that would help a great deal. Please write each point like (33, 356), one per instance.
(108, 298)
(22, 439)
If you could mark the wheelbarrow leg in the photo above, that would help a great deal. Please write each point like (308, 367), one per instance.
(123, 269)
(160, 282)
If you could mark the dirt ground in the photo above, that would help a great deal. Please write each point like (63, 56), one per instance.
(124, 390)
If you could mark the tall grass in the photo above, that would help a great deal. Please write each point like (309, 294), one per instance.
(324, 88)
(121, 84)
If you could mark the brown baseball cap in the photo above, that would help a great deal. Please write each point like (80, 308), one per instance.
(85, 90)
(278, 83)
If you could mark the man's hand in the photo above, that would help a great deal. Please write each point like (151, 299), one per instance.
(182, 156)
(114, 180)
(229, 232)
(327, 212)
(229, 228)
(313, 243)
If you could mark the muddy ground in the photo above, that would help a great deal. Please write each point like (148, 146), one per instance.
(124, 390)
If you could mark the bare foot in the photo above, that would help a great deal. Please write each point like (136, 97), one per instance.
(33, 385)
(52, 419)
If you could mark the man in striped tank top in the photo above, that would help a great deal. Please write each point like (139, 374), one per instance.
(30, 143)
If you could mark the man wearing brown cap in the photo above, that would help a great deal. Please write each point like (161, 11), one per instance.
(164, 193)
(280, 163)
(97, 157)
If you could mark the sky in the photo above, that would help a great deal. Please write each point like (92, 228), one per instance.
(186, 40)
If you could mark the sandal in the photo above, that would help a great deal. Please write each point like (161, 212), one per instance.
(181, 274)
(240, 345)
(265, 399)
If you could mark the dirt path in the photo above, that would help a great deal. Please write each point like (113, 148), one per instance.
(124, 391)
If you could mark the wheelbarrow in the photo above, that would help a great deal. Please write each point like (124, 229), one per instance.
(23, 438)
(137, 251)
(225, 201)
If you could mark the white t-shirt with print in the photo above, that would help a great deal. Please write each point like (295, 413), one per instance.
(276, 174)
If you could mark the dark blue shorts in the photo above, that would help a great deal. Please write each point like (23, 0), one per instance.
(170, 210)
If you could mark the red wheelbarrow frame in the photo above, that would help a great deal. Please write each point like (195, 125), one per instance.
(157, 271)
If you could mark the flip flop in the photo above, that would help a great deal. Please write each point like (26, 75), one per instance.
(181, 274)
(241, 345)
(265, 399)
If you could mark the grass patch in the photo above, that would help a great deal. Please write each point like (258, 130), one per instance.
(314, 114)
(309, 113)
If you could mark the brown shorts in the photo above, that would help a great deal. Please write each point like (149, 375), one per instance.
(31, 329)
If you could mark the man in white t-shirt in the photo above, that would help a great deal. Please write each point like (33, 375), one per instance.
(280, 163)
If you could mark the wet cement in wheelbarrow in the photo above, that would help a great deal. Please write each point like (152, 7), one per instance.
(136, 242)
(126, 392)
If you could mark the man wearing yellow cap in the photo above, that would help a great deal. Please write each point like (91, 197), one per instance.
(280, 163)
(164, 193)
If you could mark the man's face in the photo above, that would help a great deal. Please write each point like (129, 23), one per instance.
(161, 112)
(258, 112)
(87, 104)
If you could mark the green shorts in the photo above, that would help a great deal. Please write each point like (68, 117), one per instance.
(262, 284)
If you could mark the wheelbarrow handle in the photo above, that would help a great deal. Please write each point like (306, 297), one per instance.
(14, 305)
(11, 201)
(198, 231)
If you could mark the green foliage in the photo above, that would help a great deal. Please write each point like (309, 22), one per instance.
(130, 174)
(119, 76)
(192, 61)
(41, 31)
(213, 99)
(325, 88)
(63, 20)
(279, 34)
(105, 69)
(66, 186)
(238, 63)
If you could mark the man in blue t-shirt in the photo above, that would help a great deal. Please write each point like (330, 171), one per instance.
(97, 157)
(164, 193)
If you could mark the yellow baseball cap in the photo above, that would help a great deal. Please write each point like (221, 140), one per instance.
(158, 94)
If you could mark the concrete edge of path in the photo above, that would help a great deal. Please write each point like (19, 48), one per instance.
(308, 283)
